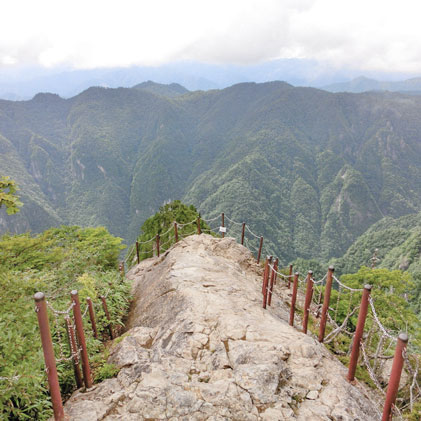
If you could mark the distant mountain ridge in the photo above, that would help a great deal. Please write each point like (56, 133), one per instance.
(24, 83)
(309, 170)
(364, 84)
(171, 90)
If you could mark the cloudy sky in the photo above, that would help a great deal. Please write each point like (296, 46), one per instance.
(368, 34)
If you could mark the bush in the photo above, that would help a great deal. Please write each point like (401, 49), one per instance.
(162, 223)
(54, 262)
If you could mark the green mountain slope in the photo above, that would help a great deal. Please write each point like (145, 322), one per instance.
(172, 90)
(309, 170)
(397, 243)
(393, 244)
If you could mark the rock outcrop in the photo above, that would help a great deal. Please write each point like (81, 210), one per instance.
(199, 346)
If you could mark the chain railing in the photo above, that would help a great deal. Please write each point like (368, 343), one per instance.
(333, 317)
(56, 350)
(331, 304)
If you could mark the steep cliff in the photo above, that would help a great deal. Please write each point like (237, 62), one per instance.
(200, 347)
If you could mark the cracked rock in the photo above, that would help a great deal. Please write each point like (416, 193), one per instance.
(198, 346)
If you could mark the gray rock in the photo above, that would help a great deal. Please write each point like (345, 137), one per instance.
(199, 346)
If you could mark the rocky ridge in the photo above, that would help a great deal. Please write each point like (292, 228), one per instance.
(199, 346)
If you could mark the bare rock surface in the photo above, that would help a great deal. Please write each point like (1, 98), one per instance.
(199, 346)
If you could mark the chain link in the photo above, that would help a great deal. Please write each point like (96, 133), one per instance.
(58, 311)
(370, 371)
(379, 324)
(212, 219)
(251, 232)
(281, 274)
(187, 223)
(233, 222)
(346, 286)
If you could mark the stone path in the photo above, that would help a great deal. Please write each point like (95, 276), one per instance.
(200, 347)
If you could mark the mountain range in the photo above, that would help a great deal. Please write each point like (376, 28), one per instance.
(25, 82)
(365, 84)
(308, 169)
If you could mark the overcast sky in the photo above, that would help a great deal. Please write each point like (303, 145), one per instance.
(368, 34)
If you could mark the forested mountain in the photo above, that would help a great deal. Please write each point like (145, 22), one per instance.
(392, 243)
(172, 90)
(308, 169)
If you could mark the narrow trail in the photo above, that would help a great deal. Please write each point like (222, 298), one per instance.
(199, 346)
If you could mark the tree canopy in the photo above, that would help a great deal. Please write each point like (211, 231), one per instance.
(8, 195)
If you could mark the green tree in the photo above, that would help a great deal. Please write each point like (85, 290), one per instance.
(8, 196)
(54, 262)
(391, 291)
(162, 223)
(304, 265)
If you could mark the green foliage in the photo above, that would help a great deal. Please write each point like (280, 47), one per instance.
(106, 371)
(8, 196)
(54, 262)
(308, 170)
(67, 249)
(390, 291)
(415, 414)
(398, 246)
(304, 265)
(162, 223)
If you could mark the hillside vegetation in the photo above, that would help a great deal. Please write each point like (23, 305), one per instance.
(55, 262)
(61, 259)
(310, 170)
(393, 244)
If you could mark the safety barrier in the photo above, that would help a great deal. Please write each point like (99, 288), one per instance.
(374, 346)
(317, 305)
(76, 341)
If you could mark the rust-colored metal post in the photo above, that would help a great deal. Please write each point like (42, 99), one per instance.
(260, 250)
(293, 299)
(362, 315)
(265, 278)
(307, 303)
(290, 276)
(107, 315)
(223, 223)
(176, 232)
(272, 279)
(265, 273)
(137, 252)
(326, 300)
(74, 352)
(49, 358)
(198, 226)
(395, 376)
(157, 245)
(276, 271)
(92, 317)
(243, 231)
(81, 336)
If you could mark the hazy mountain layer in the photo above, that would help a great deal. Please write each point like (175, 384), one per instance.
(308, 169)
(24, 83)
(364, 84)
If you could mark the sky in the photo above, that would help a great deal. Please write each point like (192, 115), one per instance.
(371, 35)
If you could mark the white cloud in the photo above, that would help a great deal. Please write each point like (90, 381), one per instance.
(372, 35)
